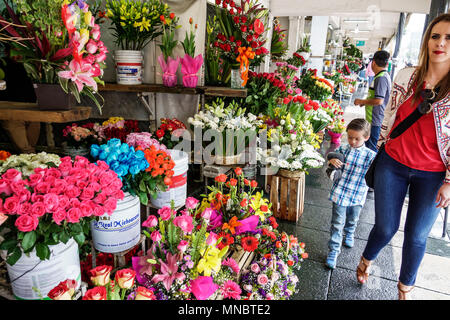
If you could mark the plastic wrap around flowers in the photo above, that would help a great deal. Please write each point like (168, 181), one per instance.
(120, 157)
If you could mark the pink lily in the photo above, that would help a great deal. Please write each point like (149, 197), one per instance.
(169, 272)
(81, 74)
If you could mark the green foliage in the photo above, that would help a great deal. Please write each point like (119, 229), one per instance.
(353, 51)
(305, 46)
(189, 40)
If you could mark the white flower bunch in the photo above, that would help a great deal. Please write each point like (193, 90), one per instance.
(221, 118)
(26, 163)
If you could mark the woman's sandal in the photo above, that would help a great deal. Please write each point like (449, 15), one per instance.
(362, 271)
(403, 291)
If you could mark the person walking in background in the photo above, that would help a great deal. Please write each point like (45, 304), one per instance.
(349, 191)
(418, 159)
(378, 96)
(369, 72)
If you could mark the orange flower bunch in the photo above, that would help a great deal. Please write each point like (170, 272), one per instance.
(160, 163)
(4, 155)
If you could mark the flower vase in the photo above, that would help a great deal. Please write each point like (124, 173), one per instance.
(335, 137)
(53, 97)
(189, 68)
(169, 70)
(236, 80)
(74, 151)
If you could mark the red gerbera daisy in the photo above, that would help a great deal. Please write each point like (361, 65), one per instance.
(249, 243)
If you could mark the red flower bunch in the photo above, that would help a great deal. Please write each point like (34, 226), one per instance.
(168, 128)
(247, 30)
(272, 77)
(121, 133)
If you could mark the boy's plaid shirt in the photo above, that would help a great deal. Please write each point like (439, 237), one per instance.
(351, 189)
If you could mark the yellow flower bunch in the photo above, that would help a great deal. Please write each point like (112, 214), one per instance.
(211, 260)
(260, 205)
(113, 120)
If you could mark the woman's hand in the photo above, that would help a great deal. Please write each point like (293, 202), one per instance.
(335, 163)
(443, 196)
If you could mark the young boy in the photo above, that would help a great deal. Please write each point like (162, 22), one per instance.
(348, 193)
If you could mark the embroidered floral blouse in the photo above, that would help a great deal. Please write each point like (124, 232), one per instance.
(441, 115)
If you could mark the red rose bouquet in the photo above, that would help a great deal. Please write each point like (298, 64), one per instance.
(238, 25)
(170, 128)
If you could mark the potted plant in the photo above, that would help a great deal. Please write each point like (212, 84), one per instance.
(135, 24)
(169, 64)
(235, 25)
(65, 61)
(305, 48)
(190, 65)
(48, 216)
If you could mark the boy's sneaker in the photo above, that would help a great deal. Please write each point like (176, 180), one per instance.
(332, 259)
(349, 241)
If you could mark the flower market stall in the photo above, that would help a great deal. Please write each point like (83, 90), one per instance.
(117, 207)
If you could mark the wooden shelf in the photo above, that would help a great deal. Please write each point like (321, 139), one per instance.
(159, 88)
(26, 111)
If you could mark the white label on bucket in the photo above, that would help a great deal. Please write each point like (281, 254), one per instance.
(120, 231)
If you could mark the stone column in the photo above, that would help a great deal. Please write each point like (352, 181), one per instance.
(318, 38)
(293, 35)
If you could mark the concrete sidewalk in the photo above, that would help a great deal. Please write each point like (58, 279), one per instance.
(317, 282)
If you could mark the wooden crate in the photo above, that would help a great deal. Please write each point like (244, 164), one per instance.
(287, 196)
(243, 259)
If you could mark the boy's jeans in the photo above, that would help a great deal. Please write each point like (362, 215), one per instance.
(343, 220)
(392, 180)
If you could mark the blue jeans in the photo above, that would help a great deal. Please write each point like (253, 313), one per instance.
(343, 220)
(391, 183)
(373, 139)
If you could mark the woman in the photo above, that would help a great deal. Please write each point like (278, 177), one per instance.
(418, 159)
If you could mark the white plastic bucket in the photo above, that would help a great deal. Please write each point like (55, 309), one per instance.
(178, 189)
(129, 66)
(121, 230)
(44, 275)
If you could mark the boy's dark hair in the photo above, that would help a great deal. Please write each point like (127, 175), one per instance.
(381, 58)
(360, 124)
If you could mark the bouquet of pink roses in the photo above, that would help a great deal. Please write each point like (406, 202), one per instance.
(54, 204)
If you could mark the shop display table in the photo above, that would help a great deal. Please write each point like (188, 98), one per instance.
(26, 111)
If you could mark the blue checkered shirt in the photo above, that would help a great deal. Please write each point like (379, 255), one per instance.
(351, 189)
